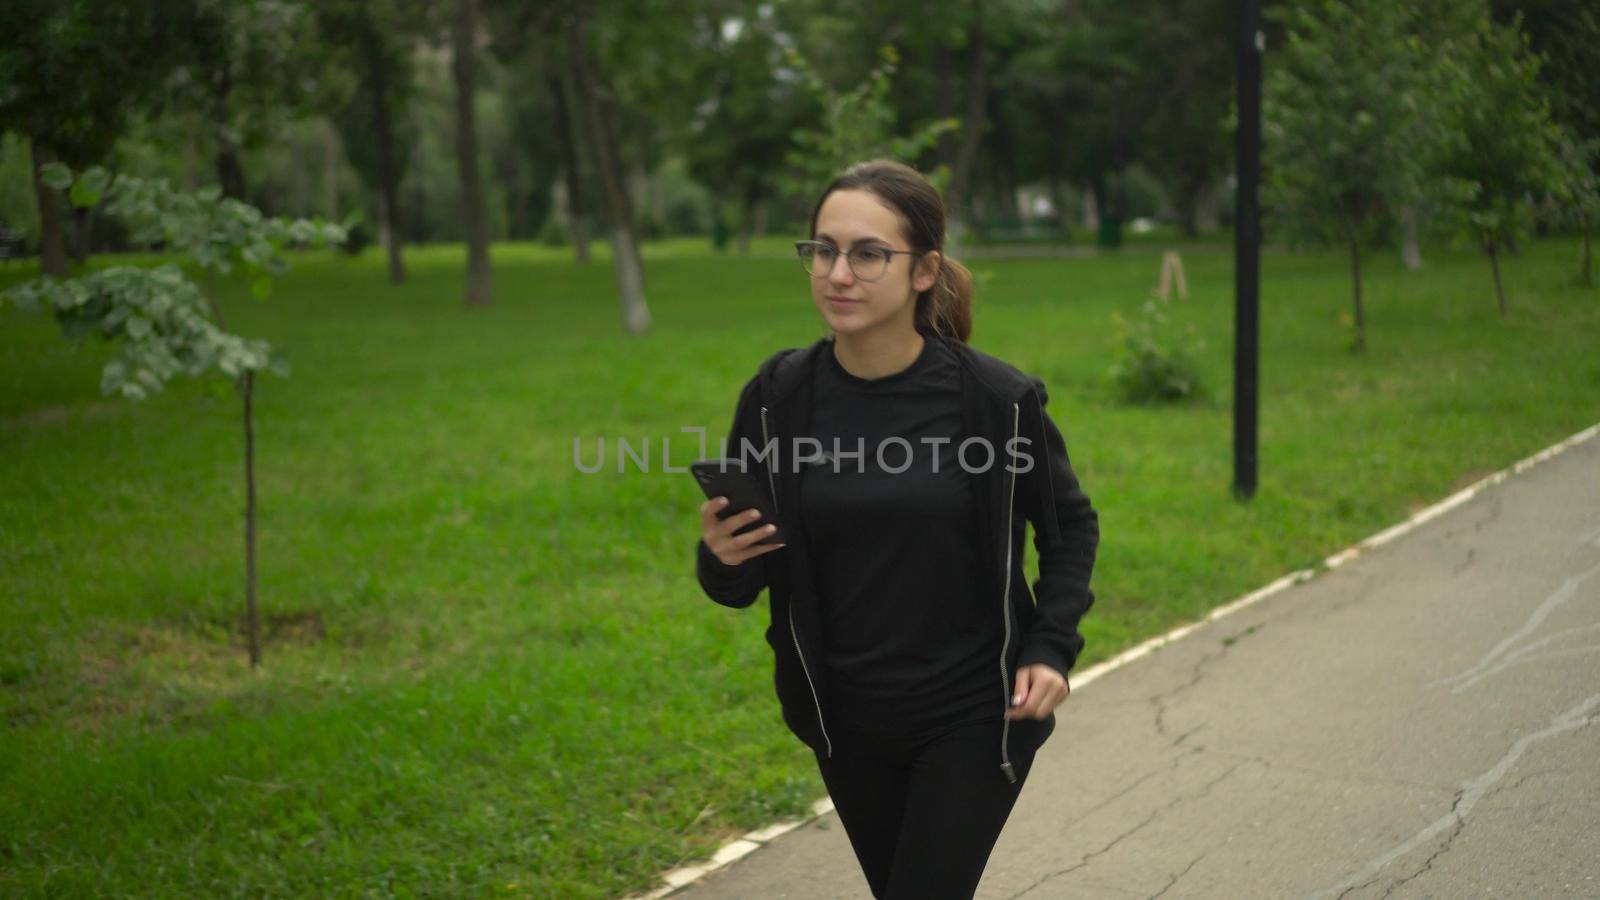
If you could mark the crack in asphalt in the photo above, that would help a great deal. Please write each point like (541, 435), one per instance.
(1520, 655)
(1474, 790)
(1443, 847)
(1182, 737)
(1159, 701)
(1552, 601)
(1174, 879)
(1359, 777)
(1084, 860)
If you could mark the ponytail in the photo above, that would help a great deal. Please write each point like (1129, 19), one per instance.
(946, 308)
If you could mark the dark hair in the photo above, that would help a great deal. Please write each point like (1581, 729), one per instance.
(945, 308)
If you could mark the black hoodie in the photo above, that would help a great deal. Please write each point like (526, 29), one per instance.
(1035, 483)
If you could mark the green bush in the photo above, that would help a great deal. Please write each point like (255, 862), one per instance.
(1156, 361)
(358, 237)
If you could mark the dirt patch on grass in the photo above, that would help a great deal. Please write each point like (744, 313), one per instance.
(166, 672)
(64, 413)
(290, 628)
(192, 670)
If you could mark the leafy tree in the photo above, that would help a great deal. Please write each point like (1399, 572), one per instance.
(973, 38)
(1085, 94)
(597, 111)
(857, 124)
(72, 72)
(526, 39)
(1504, 148)
(163, 323)
(958, 57)
(523, 141)
(1441, 26)
(374, 40)
(1567, 36)
(725, 105)
(1348, 116)
(1187, 141)
(246, 68)
(1580, 160)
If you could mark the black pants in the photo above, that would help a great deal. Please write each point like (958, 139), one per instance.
(924, 812)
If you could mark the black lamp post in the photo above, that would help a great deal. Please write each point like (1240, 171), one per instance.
(1247, 251)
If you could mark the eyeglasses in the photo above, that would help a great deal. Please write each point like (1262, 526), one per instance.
(867, 262)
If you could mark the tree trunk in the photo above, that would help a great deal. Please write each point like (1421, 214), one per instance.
(192, 179)
(475, 218)
(252, 611)
(1189, 210)
(1587, 269)
(1004, 174)
(624, 249)
(1197, 200)
(741, 241)
(1360, 342)
(52, 243)
(1411, 245)
(230, 171)
(747, 215)
(1494, 264)
(944, 102)
(958, 212)
(82, 226)
(566, 136)
(655, 191)
(758, 224)
(1108, 201)
(390, 232)
(637, 183)
(330, 172)
(1208, 203)
(299, 178)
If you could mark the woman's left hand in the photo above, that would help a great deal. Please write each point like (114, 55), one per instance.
(1038, 691)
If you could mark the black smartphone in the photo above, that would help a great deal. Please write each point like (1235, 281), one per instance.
(729, 478)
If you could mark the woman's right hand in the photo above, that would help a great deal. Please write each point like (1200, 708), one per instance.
(719, 535)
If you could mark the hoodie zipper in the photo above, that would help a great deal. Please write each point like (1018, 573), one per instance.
(766, 440)
(1005, 607)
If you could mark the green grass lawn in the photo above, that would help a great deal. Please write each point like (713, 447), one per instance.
(489, 673)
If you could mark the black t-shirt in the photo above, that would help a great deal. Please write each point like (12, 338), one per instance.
(910, 638)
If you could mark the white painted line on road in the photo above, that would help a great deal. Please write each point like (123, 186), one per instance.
(731, 851)
(680, 877)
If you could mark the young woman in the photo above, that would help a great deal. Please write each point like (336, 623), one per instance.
(904, 466)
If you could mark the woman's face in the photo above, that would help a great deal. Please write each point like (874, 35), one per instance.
(854, 219)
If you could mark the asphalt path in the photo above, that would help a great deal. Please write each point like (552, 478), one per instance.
(1419, 720)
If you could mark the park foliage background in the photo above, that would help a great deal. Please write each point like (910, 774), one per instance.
(485, 672)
